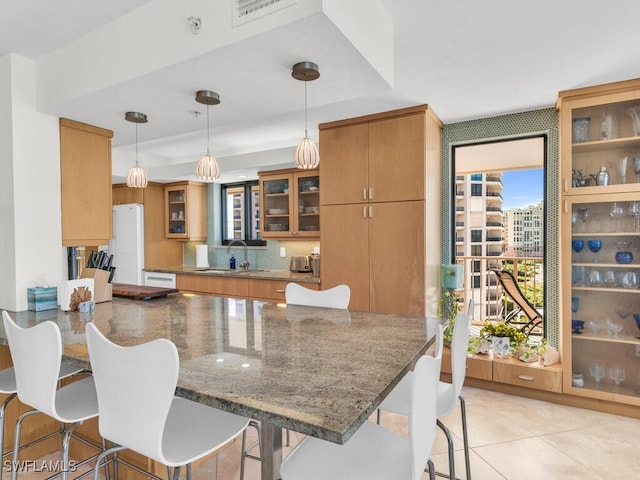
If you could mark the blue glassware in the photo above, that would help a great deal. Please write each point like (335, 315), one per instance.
(636, 317)
(577, 326)
(594, 246)
(624, 257)
(577, 246)
(574, 304)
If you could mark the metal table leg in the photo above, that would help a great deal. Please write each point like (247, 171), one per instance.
(271, 451)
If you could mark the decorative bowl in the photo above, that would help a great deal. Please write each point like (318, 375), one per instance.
(624, 257)
(577, 326)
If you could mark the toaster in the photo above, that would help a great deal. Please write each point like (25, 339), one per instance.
(300, 263)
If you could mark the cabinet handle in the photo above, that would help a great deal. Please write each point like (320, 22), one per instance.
(364, 193)
(370, 212)
(566, 206)
(566, 184)
(364, 212)
(370, 193)
(280, 290)
(528, 378)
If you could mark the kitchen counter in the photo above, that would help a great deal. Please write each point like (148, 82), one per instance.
(258, 274)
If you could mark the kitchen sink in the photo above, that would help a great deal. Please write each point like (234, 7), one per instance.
(213, 269)
(251, 270)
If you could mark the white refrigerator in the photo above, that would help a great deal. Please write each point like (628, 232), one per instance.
(127, 244)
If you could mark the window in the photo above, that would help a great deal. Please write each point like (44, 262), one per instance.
(476, 235)
(241, 213)
(476, 189)
(476, 281)
(476, 177)
(476, 250)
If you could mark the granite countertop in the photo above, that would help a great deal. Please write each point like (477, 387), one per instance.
(260, 274)
(318, 371)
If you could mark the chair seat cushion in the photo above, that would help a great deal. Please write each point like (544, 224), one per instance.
(372, 453)
(193, 430)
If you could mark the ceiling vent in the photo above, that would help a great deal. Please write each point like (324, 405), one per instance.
(249, 10)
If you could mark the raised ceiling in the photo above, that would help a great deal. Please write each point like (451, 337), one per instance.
(95, 60)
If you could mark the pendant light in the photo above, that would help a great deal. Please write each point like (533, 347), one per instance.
(307, 155)
(208, 168)
(136, 178)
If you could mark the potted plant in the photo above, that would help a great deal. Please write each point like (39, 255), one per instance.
(507, 339)
(449, 308)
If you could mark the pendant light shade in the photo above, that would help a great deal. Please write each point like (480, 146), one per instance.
(307, 155)
(208, 168)
(136, 178)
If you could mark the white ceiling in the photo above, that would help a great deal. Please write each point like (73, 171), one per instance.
(468, 59)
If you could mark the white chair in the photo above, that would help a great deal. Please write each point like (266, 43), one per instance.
(397, 401)
(374, 453)
(37, 363)
(139, 411)
(336, 297)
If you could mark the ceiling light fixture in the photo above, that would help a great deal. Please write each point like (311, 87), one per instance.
(136, 178)
(307, 155)
(208, 168)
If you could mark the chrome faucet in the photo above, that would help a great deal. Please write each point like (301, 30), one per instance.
(245, 264)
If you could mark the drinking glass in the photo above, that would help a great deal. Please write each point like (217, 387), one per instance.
(575, 301)
(634, 211)
(595, 327)
(598, 372)
(616, 373)
(594, 246)
(594, 279)
(622, 169)
(636, 168)
(609, 279)
(616, 212)
(584, 212)
(614, 328)
(577, 246)
(630, 280)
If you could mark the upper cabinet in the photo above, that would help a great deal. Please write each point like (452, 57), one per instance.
(186, 210)
(290, 204)
(600, 138)
(85, 184)
(600, 235)
(380, 160)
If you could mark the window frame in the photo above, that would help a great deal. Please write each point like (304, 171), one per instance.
(248, 185)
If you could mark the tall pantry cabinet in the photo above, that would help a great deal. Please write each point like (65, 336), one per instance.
(380, 210)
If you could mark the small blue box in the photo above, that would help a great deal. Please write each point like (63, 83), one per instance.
(39, 298)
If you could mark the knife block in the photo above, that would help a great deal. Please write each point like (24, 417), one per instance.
(102, 291)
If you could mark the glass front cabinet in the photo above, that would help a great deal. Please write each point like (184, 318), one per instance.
(600, 235)
(290, 204)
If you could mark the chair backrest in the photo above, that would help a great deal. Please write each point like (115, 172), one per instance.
(37, 354)
(135, 387)
(459, 347)
(511, 288)
(336, 297)
(423, 409)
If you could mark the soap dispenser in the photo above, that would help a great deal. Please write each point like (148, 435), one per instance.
(232, 262)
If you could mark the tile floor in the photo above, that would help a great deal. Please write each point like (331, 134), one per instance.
(511, 438)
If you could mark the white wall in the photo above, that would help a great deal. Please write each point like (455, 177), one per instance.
(31, 240)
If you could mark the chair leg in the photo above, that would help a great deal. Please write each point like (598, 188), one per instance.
(288, 437)
(16, 442)
(452, 467)
(465, 436)
(66, 438)
(103, 456)
(432, 470)
(245, 451)
(3, 407)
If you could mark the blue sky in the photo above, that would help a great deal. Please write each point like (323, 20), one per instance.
(522, 188)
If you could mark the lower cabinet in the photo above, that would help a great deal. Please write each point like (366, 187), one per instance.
(256, 289)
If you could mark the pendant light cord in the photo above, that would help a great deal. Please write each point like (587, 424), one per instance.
(305, 110)
(136, 144)
(208, 139)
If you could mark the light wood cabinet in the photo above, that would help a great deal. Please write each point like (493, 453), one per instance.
(379, 210)
(186, 211)
(600, 234)
(85, 183)
(290, 204)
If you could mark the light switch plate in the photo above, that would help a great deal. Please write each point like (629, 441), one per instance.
(283, 252)
(316, 250)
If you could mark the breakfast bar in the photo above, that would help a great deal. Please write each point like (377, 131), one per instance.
(321, 372)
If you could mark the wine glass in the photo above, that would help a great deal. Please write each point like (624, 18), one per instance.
(634, 211)
(597, 371)
(616, 373)
(622, 169)
(616, 212)
(577, 246)
(614, 328)
(594, 246)
(636, 168)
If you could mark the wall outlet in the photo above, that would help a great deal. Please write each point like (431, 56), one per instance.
(316, 250)
(283, 252)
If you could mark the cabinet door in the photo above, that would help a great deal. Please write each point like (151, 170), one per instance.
(176, 208)
(397, 257)
(601, 309)
(344, 164)
(397, 159)
(306, 213)
(344, 236)
(277, 205)
(85, 183)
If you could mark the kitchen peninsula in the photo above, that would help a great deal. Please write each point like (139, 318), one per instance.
(317, 371)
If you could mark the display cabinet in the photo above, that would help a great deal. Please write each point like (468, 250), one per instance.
(185, 211)
(600, 234)
(290, 204)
